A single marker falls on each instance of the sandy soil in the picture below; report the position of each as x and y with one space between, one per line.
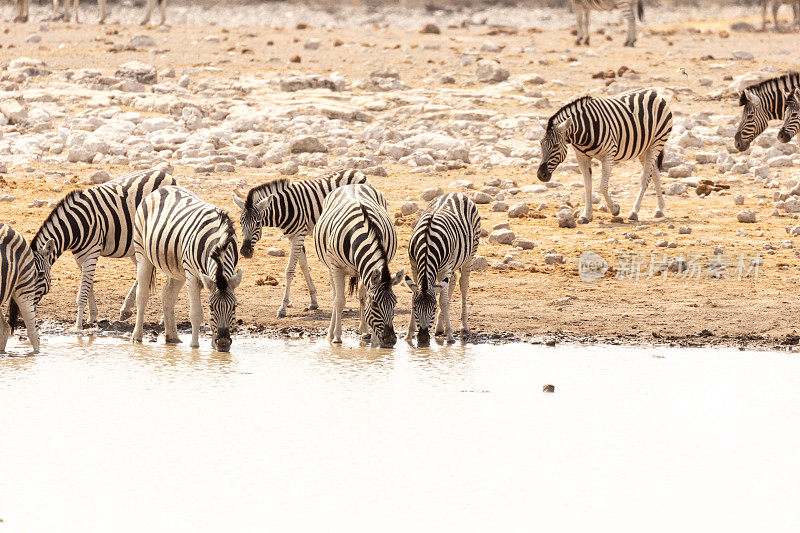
541 301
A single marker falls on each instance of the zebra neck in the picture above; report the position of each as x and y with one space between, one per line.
50 230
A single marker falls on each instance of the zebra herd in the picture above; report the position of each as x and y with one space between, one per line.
162 227
22 8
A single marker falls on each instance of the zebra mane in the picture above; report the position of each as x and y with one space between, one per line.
790 79
423 282
558 115
278 183
49 220
386 277
222 245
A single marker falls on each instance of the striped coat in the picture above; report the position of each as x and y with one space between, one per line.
190 241
444 241
761 103
791 116
631 125
294 208
355 238
583 7
96 222
22 282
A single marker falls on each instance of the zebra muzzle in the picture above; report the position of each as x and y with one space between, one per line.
222 340
543 174
784 137
247 250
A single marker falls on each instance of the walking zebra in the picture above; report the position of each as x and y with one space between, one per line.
444 241
634 124
192 241
776 5
95 222
292 207
24 278
761 103
791 116
354 237
583 7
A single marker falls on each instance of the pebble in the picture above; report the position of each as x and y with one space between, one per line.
566 219
525 244
490 71
408 208
479 262
738 199
502 236
499 207
684 230
101 176
553 259
275 252
518 210
748 216
432 193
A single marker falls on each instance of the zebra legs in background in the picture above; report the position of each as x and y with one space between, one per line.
649 169
463 286
338 279
87 263
297 252
443 324
169 296
149 12
630 17
582 13
23 7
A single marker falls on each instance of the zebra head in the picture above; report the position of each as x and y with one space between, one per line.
43 258
791 116
424 304
252 220
379 311
754 120
554 148
222 299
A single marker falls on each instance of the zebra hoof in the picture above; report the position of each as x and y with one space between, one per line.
629 44
125 315
366 336
633 216
172 340
659 214
579 41
583 220
281 313
312 306
614 208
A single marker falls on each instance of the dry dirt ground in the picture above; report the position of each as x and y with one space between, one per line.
542 301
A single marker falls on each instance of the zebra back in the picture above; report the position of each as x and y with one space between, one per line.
771 93
100 216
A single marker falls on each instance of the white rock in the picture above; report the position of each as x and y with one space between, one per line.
525 244
275 252
480 197
674 189
748 216
141 41
566 219
13 111
738 199
306 143
408 208
502 236
518 210
430 194
312 44
101 176
479 262
742 55
491 71
499 207
138 71
553 259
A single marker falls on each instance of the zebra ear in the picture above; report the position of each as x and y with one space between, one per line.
411 284
238 201
796 94
235 280
375 277
208 282
397 278
751 97
439 287
564 126
263 204
48 249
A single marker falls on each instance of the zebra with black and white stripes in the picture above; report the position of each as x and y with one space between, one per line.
762 102
193 242
355 238
583 7
96 222
23 281
791 116
444 242
634 124
292 207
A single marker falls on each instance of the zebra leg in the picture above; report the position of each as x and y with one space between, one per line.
443 319
92 307
194 286
579 16
75 7
362 308
144 276
87 263
127 306
102 4
163 12
463 286
585 164
312 290
776 5
613 207
337 282
647 160
147 13
586 12
631 18
5 332
656 177
23 7
169 295
296 249
29 317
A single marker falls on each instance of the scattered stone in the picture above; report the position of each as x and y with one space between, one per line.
684 230
499 207
275 252
13 111
480 197
138 71
553 259
101 176
525 244
312 44
566 219
430 28
490 71
479 262
307 143
738 199
408 208
518 210
747 217
141 41
742 55
430 194
502 236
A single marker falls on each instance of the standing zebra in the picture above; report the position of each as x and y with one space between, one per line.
583 7
355 238
24 278
444 241
634 124
761 103
95 222
192 241
791 116
776 5
294 209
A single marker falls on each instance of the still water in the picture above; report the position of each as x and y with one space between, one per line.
100 435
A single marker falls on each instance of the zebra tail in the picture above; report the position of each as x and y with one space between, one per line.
640 9
660 160
13 314
352 286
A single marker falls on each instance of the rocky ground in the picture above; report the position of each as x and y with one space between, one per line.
426 102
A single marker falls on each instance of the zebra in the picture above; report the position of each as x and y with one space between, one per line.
101 4
189 240
762 102
776 5
583 7
162 4
634 124
24 277
791 116
292 207
444 241
355 237
95 222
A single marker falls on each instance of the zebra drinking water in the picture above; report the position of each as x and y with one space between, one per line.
190 241
354 237
292 207
24 278
634 124
791 116
444 241
95 222
583 7
761 103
